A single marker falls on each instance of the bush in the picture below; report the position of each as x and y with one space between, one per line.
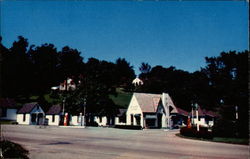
132 127
192 132
13 150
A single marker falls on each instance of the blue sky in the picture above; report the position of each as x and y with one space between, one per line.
163 33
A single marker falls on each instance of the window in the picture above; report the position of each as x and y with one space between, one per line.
132 119
53 118
24 117
33 118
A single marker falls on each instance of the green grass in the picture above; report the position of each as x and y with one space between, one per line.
242 141
231 140
122 99
6 122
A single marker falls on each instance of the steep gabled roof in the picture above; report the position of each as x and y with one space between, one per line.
204 112
27 108
148 102
7 103
182 112
210 113
54 110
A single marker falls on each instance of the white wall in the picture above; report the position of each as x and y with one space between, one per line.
10 114
76 120
104 120
201 122
28 116
56 122
133 109
117 122
20 119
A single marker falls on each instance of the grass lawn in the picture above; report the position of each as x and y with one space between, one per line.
241 141
122 99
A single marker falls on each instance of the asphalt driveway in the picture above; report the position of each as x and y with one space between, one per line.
110 143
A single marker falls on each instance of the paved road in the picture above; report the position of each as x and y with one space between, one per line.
109 143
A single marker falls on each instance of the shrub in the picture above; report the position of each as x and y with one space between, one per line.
13 150
132 127
192 132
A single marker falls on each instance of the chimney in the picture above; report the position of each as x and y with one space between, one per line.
166 107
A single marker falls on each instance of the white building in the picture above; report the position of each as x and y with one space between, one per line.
54 115
137 82
142 110
154 111
7 109
120 118
76 120
205 118
31 114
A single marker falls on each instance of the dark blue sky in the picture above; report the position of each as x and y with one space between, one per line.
160 33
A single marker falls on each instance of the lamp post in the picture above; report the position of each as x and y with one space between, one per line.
84 111
236 120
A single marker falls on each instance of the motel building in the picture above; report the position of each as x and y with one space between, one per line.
154 111
31 114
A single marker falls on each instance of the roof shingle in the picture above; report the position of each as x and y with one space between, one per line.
7 103
27 108
54 110
148 102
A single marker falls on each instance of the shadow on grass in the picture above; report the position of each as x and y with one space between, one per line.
241 141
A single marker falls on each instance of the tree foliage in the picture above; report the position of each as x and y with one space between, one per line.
33 70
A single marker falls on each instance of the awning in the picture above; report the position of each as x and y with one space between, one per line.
137 115
151 117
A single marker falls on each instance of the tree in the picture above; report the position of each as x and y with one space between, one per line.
45 67
70 62
124 73
228 78
145 68
16 69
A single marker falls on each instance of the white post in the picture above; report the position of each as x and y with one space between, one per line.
197 117
81 119
236 112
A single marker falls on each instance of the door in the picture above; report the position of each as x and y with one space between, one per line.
40 119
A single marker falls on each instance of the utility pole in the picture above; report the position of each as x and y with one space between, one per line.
84 111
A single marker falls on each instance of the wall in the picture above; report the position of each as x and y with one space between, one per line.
56 122
200 122
117 121
20 119
104 120
133 109
10 114
76 120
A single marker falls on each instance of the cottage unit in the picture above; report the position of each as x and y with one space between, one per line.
31 114
8 109
155 111
76 120
205 117
142 110
104 120
54 115
120 118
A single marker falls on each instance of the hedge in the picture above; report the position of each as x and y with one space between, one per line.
192 132
132 127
